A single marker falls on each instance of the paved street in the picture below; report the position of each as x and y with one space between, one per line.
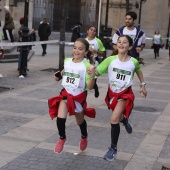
28 135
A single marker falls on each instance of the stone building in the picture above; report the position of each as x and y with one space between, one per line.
154 14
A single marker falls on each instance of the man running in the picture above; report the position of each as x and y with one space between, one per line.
134 32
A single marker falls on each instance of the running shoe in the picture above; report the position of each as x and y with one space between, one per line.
59 145
83 143
128 128
111 154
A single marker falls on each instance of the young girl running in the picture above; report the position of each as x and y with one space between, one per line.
120 97
97 48
76 81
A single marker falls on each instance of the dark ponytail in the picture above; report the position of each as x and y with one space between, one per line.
90 57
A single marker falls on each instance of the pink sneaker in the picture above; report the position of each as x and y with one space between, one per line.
83 143
59 145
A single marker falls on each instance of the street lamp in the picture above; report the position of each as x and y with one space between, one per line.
25 37
140 9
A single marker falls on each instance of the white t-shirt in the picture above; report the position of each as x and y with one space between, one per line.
131 33
120 73
157 39
93 44
75 77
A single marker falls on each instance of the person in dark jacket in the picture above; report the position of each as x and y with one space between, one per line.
44 31
32 37
76 32
8 24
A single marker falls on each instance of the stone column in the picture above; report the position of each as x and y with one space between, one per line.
7 3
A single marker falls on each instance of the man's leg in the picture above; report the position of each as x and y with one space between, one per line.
45 48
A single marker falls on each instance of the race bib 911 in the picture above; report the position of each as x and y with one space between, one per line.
120 77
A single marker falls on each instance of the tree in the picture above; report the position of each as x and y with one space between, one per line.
127 6
97 12
62 34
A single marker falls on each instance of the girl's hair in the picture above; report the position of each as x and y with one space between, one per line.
90 57
130 40
89 54
21 21
91 27
157 31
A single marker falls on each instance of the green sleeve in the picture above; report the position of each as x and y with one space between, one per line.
87 64
137 66
161 39
103 66
101 46
66 59
153 39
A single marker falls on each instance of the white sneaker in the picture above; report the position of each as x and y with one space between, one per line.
21 76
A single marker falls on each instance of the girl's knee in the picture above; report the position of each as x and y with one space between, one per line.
114 120
79 122
79 118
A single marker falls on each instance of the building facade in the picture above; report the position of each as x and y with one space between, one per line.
154 14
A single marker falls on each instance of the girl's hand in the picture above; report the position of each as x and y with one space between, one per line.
138 49
143 91
59 75
91 70
56 78
93 50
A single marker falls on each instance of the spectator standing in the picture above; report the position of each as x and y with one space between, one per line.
76 32
134 32
20 40
44 31
9 24
157 43
32 37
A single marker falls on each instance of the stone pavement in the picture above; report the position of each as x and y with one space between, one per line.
28 135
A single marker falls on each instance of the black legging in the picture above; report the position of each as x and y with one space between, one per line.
10 34
115 131
156 49
44 47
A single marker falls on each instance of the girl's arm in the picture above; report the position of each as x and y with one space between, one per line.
91 82
100 53
91 69
143 91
